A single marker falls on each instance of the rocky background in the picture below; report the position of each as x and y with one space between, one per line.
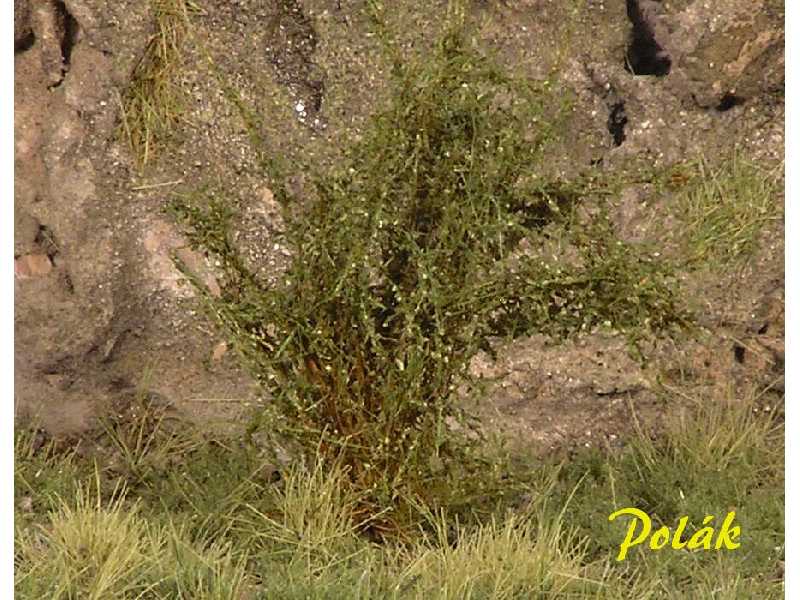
101 311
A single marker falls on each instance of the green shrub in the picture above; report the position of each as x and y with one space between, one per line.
407 262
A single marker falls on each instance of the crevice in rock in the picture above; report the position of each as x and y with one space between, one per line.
728 101
66 281
645 56
738 353
291 44
24 44
47 241
71 33
69 37
617 119
617 115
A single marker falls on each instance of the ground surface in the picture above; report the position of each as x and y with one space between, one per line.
100 309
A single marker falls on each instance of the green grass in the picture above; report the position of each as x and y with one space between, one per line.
726 209
717 457
95 550
214 525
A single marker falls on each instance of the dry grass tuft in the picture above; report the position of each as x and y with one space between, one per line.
153 102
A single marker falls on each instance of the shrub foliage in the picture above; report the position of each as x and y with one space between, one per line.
407 262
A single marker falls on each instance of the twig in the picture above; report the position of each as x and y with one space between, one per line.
225 400
155 185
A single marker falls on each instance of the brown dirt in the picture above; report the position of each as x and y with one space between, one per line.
100 307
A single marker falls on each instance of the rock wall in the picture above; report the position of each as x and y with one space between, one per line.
88 321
